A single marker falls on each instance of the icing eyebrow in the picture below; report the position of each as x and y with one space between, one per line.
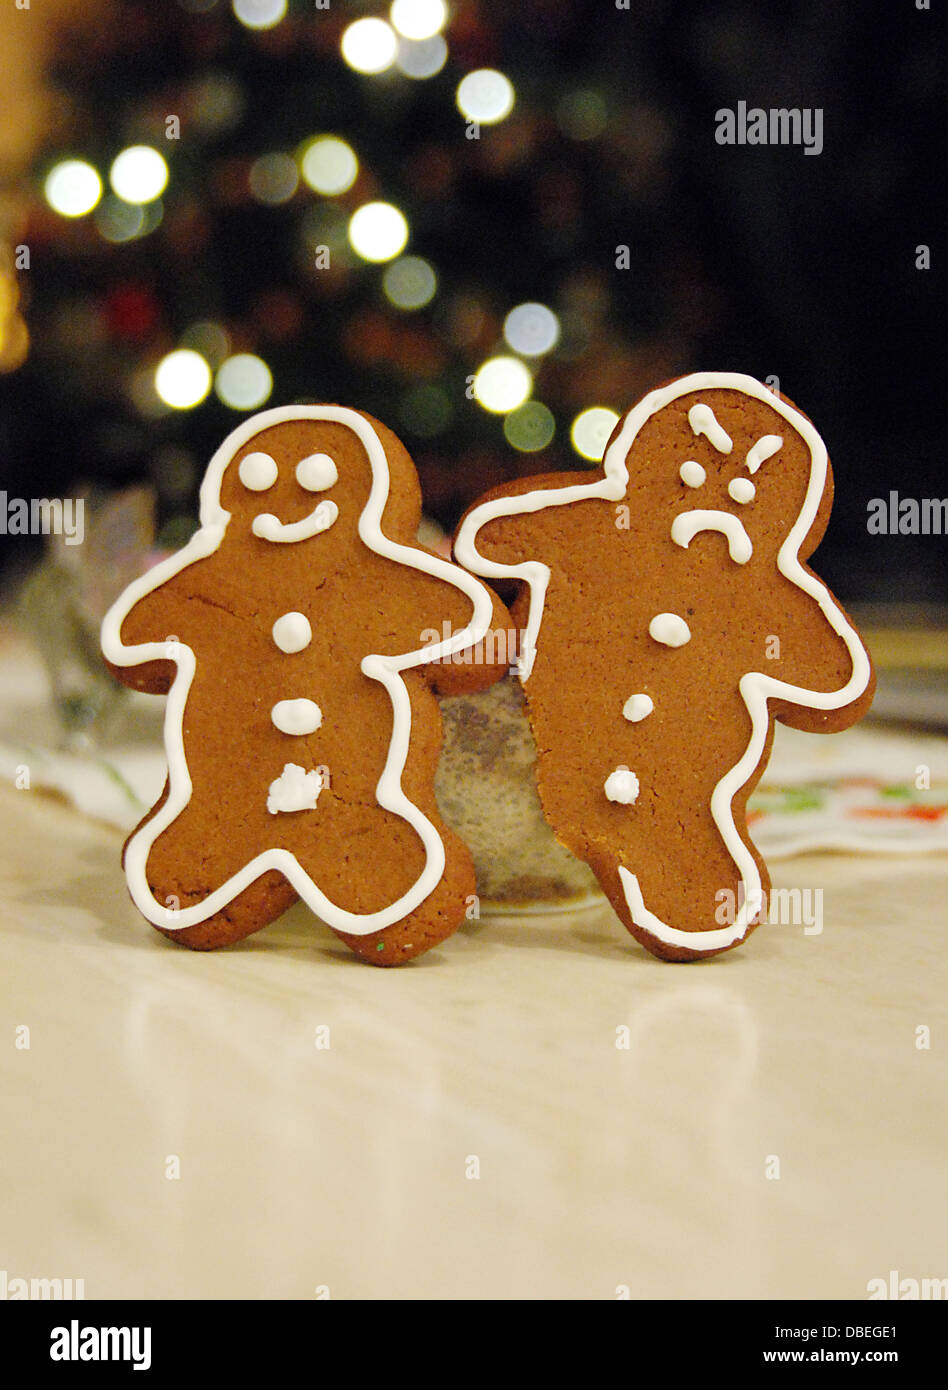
702 420
764 449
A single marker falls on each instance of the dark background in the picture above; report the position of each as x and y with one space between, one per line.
757 259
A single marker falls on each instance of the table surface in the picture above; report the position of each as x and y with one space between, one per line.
537 1109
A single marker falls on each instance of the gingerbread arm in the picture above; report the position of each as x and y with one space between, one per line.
140 629
427 608
820 675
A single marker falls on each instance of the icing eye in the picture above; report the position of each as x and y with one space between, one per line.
316 473
257 472
741 489
692 473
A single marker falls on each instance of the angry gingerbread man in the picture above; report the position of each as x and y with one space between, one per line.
670 617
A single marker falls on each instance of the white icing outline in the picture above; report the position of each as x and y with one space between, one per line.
755 687
687 525
270 528
384 669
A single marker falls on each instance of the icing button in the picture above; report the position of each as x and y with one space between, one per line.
669 629
292 632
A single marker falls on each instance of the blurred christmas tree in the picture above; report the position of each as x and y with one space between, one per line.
257 202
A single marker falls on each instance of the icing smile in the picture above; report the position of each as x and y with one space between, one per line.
687 525
270 528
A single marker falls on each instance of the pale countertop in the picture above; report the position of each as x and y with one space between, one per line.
345 1168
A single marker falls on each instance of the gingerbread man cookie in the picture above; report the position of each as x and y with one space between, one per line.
670 618
301 729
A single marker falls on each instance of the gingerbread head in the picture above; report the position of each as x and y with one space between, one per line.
301 731
670 618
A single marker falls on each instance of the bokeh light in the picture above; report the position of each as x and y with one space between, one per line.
591 430
426 411
377 231
420 58
139 174
369 45
72 188
209 339
244 382
582 115
410 282
182 379
119 221
532 329
485 96
273 178
419 19
502 384
329 165
260 14
530 428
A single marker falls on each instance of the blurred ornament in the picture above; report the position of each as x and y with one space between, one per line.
328 164
139 174
419 19
501 384
369 45
243 382
421 58
259 14
278 315
73 187
532 329
131 311
209 339
530 427
591 429
14 343
485 96
182 379
582 115
119 221
378 231
426 411
410 282
214 103
14 336
273 178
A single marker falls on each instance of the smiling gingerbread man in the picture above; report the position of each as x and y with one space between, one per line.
670 618
301 730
